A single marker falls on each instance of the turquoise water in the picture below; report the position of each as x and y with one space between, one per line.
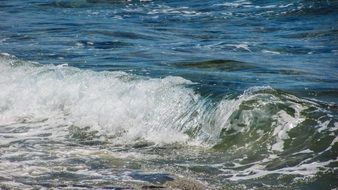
168 94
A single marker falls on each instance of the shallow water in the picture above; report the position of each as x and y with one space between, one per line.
168 94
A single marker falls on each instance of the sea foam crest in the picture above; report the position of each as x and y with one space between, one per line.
109 102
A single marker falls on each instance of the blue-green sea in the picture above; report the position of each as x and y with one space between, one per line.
169 94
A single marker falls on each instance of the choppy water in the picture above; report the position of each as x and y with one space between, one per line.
168 94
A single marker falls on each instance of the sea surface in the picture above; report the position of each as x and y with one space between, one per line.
169 94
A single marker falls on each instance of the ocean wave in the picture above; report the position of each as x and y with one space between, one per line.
266 131
129 108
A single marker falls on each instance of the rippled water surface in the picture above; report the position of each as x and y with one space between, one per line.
118 94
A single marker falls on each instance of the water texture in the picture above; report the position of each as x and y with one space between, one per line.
116 94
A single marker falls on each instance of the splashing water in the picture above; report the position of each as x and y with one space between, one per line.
105 94
66 117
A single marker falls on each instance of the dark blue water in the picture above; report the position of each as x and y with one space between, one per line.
289 44
244 93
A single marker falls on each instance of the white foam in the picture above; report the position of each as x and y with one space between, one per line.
304 152
164 9
244 46
271 52
257 170
323 125
110 102
335 128
236 4
284 123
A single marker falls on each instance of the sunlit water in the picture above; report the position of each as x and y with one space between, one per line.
168 94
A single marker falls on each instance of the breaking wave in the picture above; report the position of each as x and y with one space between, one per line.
266 131
129 108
